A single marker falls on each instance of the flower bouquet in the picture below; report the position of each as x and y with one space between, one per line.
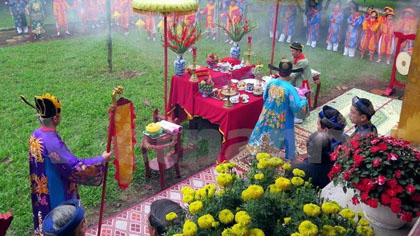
383 171
237 28
266 202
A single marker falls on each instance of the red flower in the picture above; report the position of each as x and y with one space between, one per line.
374 149
355 200
376 162
391 192
418 156
393 157
374 141
385 199
381 180
355 144
364 196
357 160
397 174
416 197
411 189
398 189
383 146
392 183
407 216
396 205
347 174
357 151
372 203
334 155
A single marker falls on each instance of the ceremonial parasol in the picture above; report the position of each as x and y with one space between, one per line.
165 7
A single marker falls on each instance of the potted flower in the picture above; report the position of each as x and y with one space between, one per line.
384 172
180 38
271 200
237 29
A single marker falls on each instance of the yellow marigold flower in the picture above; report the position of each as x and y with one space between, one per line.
298 172
252 192
328 230
195 207
260 166
286 166
256 232
283 183
259 176
264 162
311 209
210 189
364 222
296 234
330 207
340 229
347 213
190 228
224 180
274 189
297 181
200 194
262 155
187 190
188 198
177 235
275 162
222 168
205 221
226 216
242 217
287 220
240 229
220 192
364 231
307 228
230 165
228 232
171 216
361 214
215 224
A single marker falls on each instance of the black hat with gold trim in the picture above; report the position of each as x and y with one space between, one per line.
46 105
296 45
285 66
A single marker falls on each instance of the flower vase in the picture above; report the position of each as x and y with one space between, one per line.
235 51
179 65
382 217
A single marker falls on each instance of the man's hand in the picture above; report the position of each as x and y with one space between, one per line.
317 81
106 156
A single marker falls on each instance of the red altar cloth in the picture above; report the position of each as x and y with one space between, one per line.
235 124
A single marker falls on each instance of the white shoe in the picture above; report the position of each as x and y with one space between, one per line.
19 30
227 41
379 61
214 38
93 26
271 34
58 34
329 46
352 52
289 39
335 47
298 121
207 37
25 29
154 39
313 45
126 33
282 37
148 38
97 26
346 51
308 43
67 32
388 62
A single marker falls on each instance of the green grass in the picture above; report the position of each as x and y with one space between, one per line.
75 70
380 4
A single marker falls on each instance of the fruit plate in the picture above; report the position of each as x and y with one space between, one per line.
159 134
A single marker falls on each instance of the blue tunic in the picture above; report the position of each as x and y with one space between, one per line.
275 127
335 18
354 25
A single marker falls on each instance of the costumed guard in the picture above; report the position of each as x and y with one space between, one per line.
189 19
408 25
386 44
274 130
369 39
125 15
312 35
60 7
91 11
334 31
80 11
288 23
387 10
232 14
150 26
209 11
361 113
36 13
54 170
17 10
354 21
273 19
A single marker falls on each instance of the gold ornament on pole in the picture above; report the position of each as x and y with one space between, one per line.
194 77
249 53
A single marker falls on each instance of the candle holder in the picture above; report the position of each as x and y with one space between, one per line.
248 55
194 77
228 93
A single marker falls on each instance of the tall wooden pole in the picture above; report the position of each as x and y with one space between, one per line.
165 36
274 33
409 125
109 38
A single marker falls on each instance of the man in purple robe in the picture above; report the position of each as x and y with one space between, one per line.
54 170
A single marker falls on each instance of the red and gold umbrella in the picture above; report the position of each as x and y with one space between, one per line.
165 7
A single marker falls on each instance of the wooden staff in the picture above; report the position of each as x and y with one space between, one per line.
111 128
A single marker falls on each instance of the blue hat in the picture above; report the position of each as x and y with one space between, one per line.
364 106
330 117
69 227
